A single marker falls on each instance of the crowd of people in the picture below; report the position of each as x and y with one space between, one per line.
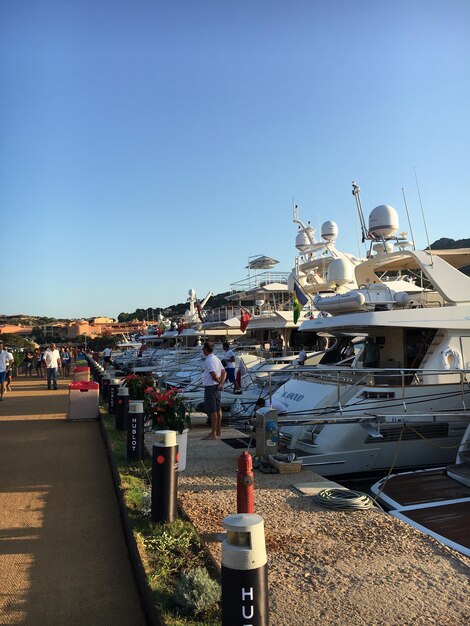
46 362
49 357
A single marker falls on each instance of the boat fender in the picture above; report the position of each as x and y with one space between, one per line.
401 298
451 359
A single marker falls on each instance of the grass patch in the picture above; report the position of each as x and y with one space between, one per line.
167 551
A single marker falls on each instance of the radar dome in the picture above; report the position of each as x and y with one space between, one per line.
339 272
329 231
192 293
302 241
383 221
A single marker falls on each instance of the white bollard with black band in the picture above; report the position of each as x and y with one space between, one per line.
122 409
244 572
135 431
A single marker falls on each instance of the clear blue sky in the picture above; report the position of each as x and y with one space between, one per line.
151 146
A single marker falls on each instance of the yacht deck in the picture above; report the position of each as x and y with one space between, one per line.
424 487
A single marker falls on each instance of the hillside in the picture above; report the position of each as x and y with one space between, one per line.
444 243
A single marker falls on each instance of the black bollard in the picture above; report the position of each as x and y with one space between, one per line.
164 477
122 409
114 385
100 381
244 572
105 386
135 431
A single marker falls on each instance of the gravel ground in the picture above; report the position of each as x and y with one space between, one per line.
327 567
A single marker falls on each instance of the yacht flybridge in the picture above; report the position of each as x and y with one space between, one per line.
266 293
320 266
408 403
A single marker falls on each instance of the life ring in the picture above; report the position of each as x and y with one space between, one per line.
451 359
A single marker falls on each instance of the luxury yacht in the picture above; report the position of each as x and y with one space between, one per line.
408 405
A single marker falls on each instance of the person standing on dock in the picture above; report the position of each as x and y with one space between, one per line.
229 363
106 357
9 376
66 359
213 379
28 363
52 361
38 355
6 362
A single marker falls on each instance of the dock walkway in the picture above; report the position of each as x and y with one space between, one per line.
326 567
63 557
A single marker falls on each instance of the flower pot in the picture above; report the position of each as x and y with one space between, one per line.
181 440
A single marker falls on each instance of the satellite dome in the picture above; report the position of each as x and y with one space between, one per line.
329 231
192 293
383 222
339 272
302 241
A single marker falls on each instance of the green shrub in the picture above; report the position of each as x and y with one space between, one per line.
196 592
171 548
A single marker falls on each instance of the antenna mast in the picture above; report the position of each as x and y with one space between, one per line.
356 193
295 209
424 218
409 221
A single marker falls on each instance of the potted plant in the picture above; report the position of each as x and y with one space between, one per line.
137 385
169 411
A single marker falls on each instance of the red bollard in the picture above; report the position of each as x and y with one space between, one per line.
245 484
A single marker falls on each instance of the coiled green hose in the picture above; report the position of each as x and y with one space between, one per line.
344 500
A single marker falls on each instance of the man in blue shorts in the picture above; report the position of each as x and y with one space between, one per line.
213 378
6 361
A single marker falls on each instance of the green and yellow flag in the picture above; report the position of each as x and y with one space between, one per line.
297 308
300 299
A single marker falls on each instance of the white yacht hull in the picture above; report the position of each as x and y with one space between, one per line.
351 449
347 448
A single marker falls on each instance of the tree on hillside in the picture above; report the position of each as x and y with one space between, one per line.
97 344
444 243
16 341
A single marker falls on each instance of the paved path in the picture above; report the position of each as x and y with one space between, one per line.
63 558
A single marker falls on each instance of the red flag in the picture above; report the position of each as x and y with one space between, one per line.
159 331
199 309
244 320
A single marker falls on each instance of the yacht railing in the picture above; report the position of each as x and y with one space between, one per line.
259 279
222 314
376 419
380 382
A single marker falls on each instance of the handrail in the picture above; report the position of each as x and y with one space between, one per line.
368 377
371 419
